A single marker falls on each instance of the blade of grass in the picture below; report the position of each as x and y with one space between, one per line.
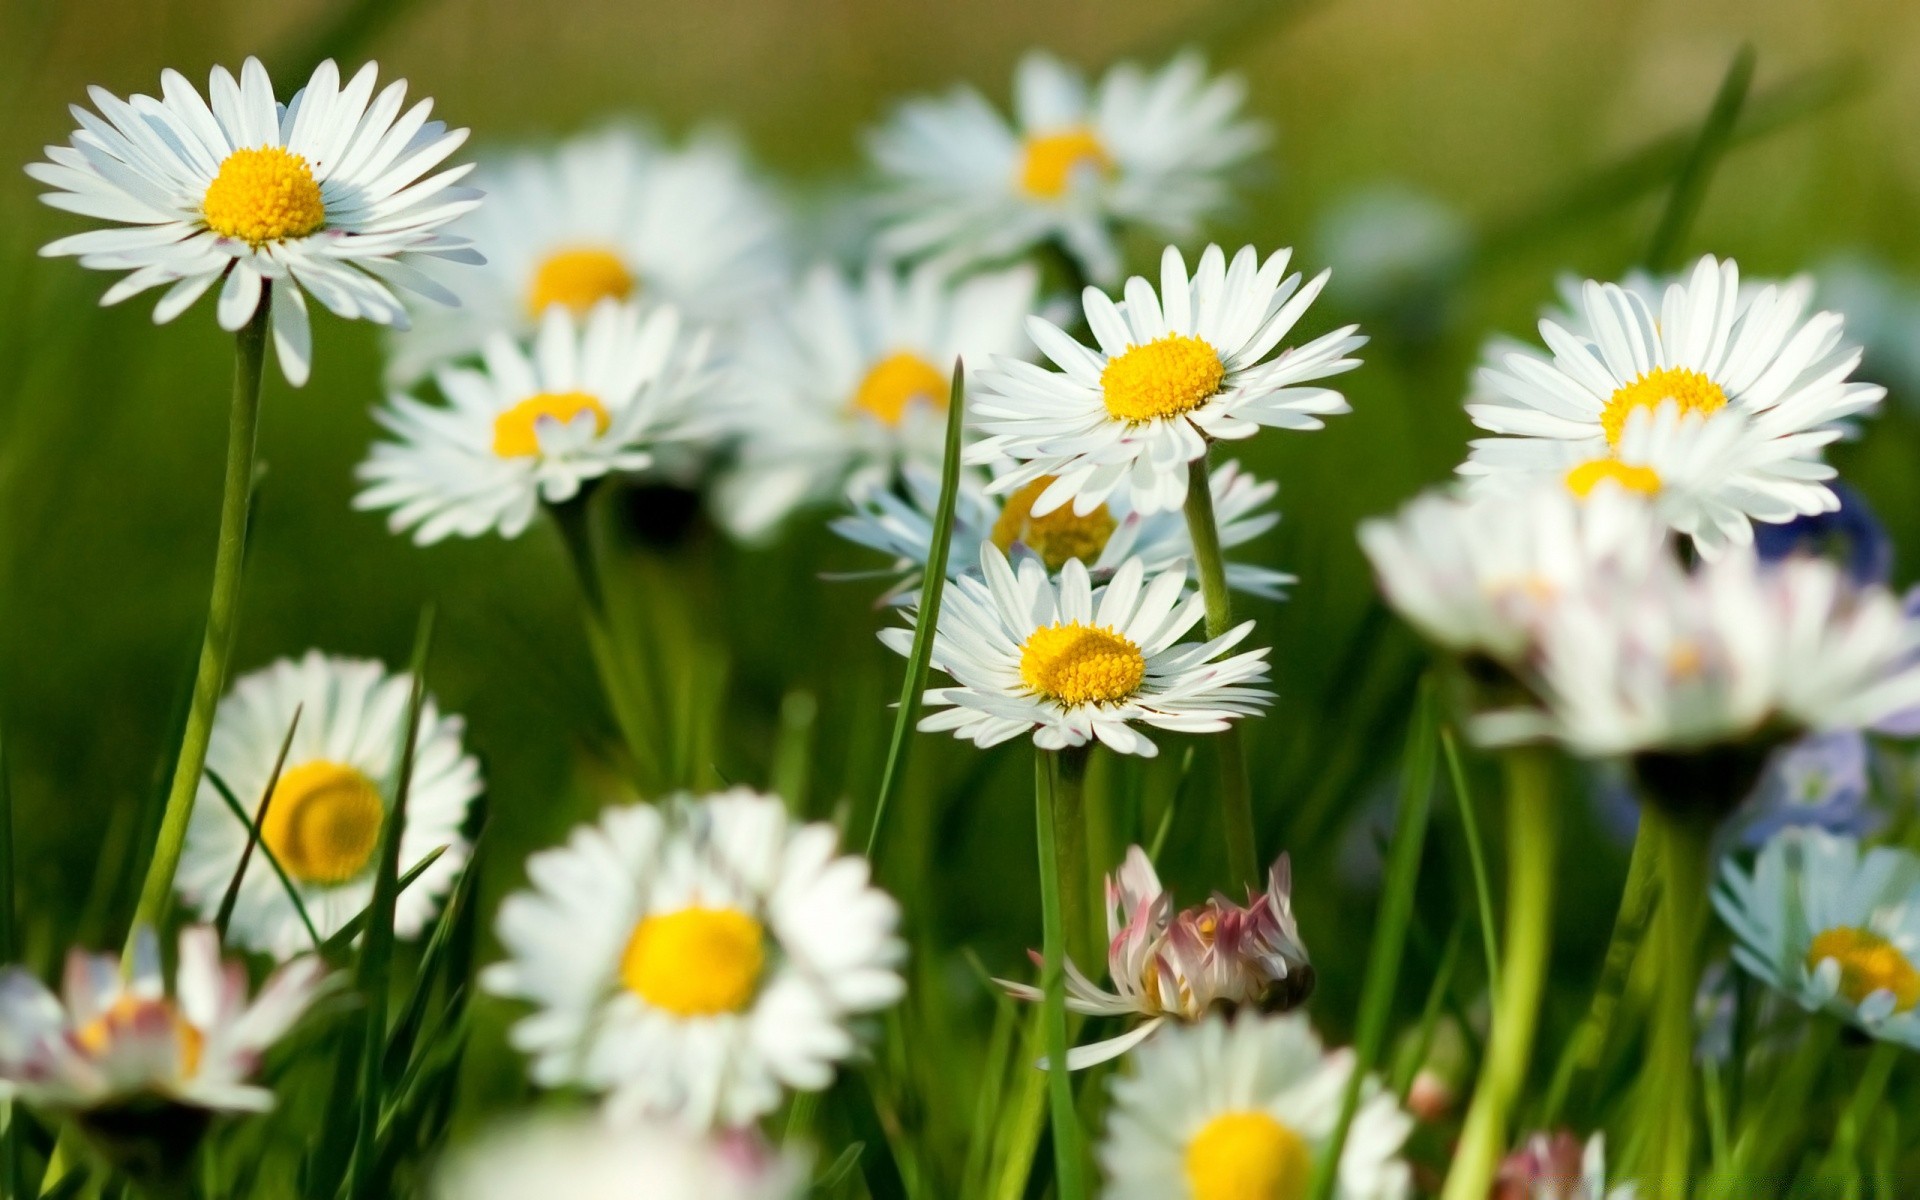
1422 1044
1068 1179
1477 859
1696 170
336 947
401 1043
253 837
225 915
927 615
1173 806
1390 930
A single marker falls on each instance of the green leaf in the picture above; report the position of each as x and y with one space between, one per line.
253 837
401 1042
225 915
337 948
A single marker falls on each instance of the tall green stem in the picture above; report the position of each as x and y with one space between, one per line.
1668 1083
1069 1180
1533 834
156 894
1236 797
1070 842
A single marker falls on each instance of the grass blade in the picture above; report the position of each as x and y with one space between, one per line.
253 837
1477 858
927 615
1696 170
336 947
401 1042
225 915
1390 933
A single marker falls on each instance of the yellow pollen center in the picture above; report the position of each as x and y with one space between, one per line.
264 195
1591 474
897 381
1056 537
516 432
1164 378
1248 1156
1049 161
1869 963
579 278
1695 393
323 822
697 962
1079 664
126 1016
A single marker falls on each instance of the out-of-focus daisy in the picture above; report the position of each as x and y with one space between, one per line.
1558 1167
1711 349
1171 373
1478 575
114 1038
1224 1110
1188 964
849 378
1151 150
324 819
321 195
696 959
1069 663
899 522
583 1159
1735 652
591 397
610 215
1833 927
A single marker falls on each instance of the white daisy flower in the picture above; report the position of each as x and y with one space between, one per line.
1559 1167
899 522
848 379
590 397
1152 150
321 195
583 1159
1478 575
1832 926
1713 349
696 960
1172 373
114 1036
1683 662
1224 1110
324 819
1069 663
612 215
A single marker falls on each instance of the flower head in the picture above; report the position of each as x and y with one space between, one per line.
1170 373
696 959
323 194
1558 1167
590 1160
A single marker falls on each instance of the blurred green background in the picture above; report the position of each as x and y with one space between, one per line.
1524 119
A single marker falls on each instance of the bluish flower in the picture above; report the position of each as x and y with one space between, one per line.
1852 536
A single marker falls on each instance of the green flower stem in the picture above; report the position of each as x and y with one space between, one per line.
156 894
1069 1178
1532 842
1070 844
1236 797
1668 1082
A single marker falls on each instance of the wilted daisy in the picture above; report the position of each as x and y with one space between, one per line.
848 379
324 819
611 215
592 396
1188 964
899 522
1170 373
1151 150
321 195
114 1038
1558 1167
1226 1110
1711 350
584 1159
696 960
1832 926
1069 663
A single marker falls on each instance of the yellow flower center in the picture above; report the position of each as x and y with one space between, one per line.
1869 963
264 195
579 278
516 432
1164 378
1591 474
698 962
1694 392
323 822
1081 664
1056 537
129 1016
1248 1156
1049 161
897 381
